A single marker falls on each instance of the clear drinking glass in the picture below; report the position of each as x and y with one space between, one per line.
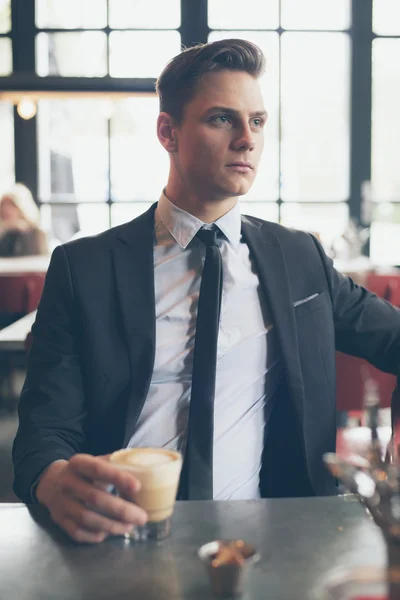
158 471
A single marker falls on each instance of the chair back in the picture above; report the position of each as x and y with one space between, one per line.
385 286
20 293
352 372
351 375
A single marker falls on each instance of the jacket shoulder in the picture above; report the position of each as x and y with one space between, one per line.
285 235
106 239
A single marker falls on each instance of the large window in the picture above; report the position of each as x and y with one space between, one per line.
385 172
94 152
7 168
102 155
93 38
332 90
305 166
5 40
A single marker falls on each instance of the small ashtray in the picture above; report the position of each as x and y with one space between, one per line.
229 564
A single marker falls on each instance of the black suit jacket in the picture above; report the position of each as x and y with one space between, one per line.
92 357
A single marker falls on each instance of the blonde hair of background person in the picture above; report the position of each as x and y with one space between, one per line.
20 232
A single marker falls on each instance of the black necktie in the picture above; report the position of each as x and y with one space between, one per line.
197 475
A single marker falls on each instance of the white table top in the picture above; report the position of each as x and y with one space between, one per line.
24 264
13 337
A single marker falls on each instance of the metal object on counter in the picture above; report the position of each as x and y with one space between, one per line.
374 478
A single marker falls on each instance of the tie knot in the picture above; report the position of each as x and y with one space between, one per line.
208 236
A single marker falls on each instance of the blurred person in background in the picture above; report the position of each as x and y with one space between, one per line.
20 232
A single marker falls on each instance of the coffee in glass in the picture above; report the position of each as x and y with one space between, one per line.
158 471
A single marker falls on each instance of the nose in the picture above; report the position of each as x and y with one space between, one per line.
244 139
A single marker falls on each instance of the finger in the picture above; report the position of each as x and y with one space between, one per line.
89 520
111 506
81 535
103 484
95 468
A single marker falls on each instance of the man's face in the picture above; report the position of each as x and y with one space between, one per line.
221 136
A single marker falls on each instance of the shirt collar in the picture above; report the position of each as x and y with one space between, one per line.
183 226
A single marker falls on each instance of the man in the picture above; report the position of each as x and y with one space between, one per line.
115 338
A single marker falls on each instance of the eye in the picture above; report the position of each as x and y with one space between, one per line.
220 119
258 122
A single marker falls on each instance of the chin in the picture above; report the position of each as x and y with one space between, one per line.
240 190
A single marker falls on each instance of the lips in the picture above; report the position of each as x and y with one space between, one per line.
240 164
240 167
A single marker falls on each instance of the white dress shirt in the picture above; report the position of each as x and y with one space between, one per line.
249 366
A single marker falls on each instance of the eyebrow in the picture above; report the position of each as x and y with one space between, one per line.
235 113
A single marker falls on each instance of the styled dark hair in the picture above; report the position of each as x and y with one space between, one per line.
178 81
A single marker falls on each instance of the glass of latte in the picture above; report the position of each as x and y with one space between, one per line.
158 471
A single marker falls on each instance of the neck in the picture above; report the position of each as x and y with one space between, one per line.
207 211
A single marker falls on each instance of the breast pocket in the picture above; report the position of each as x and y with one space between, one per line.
309 306
316 338
315 323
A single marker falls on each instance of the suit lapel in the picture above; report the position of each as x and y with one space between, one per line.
271 268
134 271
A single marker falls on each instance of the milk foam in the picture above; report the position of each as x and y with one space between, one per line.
148 459
145 457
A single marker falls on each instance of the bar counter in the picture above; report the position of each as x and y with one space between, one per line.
299 540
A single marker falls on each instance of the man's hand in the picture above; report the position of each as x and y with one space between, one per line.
74 493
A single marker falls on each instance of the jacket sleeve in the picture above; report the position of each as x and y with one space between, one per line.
52 407
365 325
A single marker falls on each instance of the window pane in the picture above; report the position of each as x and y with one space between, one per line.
386 17
385 120
73 150
92 218
316 14
5 57
385 234
5 16
74 14
122 213
139 164
71 54
266 185
150 14
60 222
327 221
132 54
232 14
263 210
7 175
315 116
64 223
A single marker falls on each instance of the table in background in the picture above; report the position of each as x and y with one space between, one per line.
21 285
24 264
13 337
299 540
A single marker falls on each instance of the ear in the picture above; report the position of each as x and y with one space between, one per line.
167 132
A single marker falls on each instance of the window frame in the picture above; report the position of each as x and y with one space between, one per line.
193 29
